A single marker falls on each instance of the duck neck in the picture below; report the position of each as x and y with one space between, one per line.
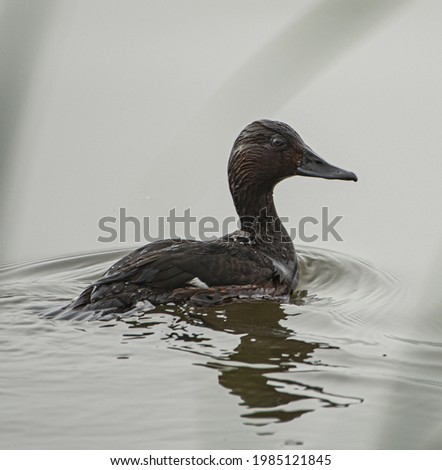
258 215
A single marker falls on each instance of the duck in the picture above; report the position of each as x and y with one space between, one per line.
257 261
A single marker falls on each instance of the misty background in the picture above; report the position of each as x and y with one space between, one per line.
108 104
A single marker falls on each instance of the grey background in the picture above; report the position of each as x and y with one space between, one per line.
109 104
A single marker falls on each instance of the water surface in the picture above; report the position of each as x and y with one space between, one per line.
328 370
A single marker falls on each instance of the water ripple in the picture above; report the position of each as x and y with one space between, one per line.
282 361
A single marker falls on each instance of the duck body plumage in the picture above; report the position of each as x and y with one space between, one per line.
257 261
195 272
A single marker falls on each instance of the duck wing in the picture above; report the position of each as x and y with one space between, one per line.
172 264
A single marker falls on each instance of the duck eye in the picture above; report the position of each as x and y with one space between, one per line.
278 141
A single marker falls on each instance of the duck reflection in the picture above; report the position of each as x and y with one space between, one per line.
261 368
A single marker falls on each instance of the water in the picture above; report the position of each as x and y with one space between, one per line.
329 370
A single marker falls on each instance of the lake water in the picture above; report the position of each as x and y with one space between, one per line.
107 105
330 370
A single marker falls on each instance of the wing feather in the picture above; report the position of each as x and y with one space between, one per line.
171 264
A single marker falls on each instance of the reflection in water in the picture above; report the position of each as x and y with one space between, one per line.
261 368
265 348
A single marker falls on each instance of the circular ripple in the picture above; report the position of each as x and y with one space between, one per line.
350 289
333 280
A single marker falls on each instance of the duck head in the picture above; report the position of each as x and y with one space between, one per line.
267 152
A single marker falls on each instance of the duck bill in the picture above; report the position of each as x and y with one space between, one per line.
314 166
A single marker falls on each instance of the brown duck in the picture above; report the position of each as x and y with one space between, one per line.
257 261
